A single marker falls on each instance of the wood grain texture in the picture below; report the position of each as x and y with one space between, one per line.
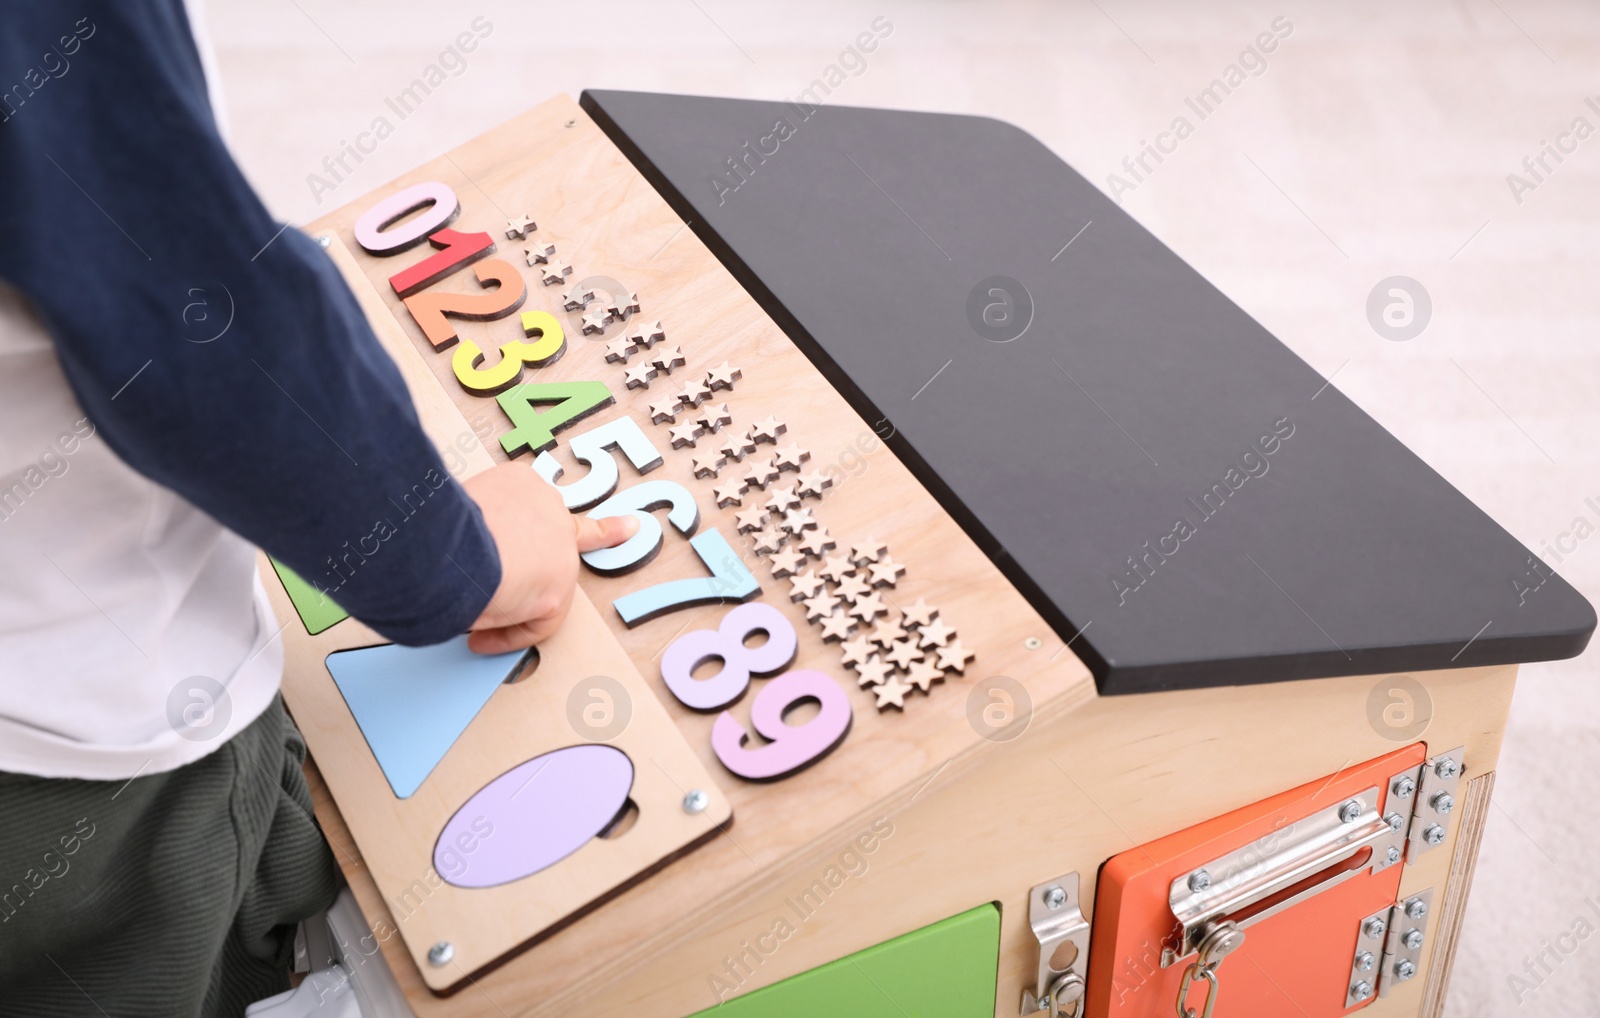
1452 908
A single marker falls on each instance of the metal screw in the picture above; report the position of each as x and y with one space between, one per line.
1199 880
1033 643
1395 821
1361 990
1393 855
1404 969
1374 927
440 954
1433 834
1365 961
1412 939
1442 802
1054 898
570 123
324 241
1404 787
696 801
1350 812
1447 768
1416 908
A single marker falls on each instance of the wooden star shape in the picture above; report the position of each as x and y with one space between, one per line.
714 416
619 350
804 585
665 410
648 335
873 670
516 229
668 358
903 652
706 464
539 252
955 656
796 521
936 633
684 434
885 572
723 376
789 457
695 393
576 297
923 675
596 320
868 607
787 563
554 272
838 626
812 485
852 588
623 305
887 631
817 542
759 473
783 499
919 614
731 493
836 568
638 376
767 430
820 606
856 650
753 518
736 447
891 693
870 550
767 540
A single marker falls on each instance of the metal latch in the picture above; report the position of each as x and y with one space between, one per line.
1389 947
1063 934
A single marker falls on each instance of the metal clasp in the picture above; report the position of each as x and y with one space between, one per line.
1063 934
1217 941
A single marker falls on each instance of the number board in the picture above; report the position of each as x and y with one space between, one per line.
821 635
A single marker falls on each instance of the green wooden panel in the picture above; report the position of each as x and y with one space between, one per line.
316 609
946 970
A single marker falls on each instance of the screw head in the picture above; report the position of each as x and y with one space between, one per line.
1412 939
1361 990
1404 969
571 123
1350 812
1416 908
1395 821
1447 768
1033 643
1365 961
324 241
696 801
1199 880
1443 802
1393 855
1054 898
1404 787
1433 834
440 954
1374 927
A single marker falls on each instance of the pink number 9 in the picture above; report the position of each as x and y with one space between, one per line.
739 662
792 747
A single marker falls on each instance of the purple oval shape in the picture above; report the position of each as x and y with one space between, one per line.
533 816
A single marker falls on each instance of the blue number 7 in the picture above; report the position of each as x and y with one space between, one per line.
729 581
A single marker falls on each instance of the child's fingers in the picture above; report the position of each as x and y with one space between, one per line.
604 533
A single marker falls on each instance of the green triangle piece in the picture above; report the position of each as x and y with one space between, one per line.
316 609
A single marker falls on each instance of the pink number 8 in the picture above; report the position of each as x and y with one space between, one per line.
739 662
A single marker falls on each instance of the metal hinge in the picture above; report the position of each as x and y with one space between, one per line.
1429 791
1063 935
1389 947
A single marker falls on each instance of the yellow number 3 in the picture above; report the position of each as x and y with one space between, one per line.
549 346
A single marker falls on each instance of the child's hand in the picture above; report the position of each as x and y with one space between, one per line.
539 542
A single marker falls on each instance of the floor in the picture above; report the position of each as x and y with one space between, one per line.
1374 140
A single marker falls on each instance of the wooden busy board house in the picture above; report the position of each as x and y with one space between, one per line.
1005 633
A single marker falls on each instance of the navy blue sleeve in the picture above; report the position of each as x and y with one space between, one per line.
135 235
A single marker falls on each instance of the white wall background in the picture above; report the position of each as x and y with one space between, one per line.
1376 143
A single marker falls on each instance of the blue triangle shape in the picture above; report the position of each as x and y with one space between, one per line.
413 703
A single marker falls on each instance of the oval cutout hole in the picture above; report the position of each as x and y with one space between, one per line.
525 667
623 822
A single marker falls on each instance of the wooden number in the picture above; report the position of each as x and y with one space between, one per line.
790 747
594 448
726 643
430 309
514 356
455 250
639 501
376 232
534 430
730 580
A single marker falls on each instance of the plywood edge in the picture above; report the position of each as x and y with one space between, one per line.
1452 912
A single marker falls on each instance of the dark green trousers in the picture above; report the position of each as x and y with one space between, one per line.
172 895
